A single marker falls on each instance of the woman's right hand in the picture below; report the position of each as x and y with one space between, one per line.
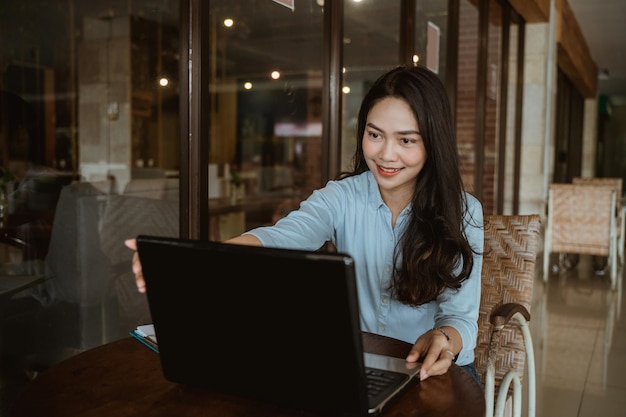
141 284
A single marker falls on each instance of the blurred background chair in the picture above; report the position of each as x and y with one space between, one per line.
581 220
620 215
504 347
89 296
157 188
126 217
55 320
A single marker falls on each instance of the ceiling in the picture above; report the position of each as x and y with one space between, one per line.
602 24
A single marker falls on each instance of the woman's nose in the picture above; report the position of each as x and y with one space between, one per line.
388 151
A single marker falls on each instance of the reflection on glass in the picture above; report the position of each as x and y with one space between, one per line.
266 120
369 50
431 34
89 139
128 112
88 93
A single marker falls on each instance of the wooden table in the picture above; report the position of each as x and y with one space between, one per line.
124 378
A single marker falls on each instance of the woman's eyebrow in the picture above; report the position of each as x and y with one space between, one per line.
373 126
409 132
400 132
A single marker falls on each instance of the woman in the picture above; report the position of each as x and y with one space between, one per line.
403 215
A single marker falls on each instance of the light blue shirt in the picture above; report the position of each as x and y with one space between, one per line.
352 214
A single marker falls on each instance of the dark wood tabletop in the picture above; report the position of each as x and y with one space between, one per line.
124 378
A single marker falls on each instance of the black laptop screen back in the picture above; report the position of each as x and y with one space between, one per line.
267 323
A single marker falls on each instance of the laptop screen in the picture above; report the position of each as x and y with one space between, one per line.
269 323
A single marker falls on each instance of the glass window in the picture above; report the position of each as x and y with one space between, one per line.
89 144
370 47
492 107
266 111
467 76
431 34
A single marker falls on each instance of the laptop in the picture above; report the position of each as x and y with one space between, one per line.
278 325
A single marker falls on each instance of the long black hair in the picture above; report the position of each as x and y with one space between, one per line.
434 243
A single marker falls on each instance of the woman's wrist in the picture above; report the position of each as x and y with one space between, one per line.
446 333
442 331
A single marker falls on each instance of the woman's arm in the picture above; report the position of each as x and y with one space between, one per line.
245 239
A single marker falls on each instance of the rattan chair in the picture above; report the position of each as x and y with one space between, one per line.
504 348
620 215
582 220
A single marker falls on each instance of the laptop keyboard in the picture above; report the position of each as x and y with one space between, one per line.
380 382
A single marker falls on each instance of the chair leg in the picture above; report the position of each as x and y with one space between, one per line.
613 264
546 264
547 242
620 241
530 368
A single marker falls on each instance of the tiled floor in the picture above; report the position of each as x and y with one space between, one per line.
579 333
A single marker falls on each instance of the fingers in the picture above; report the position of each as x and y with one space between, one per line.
414 354
435 364
434 354
137 270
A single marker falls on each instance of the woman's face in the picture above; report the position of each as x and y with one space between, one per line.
393 147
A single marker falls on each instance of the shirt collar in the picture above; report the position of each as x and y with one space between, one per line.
376 200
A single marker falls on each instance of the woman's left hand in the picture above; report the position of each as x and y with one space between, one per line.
435 351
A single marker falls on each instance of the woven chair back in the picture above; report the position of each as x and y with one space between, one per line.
508 274
580 218
616 183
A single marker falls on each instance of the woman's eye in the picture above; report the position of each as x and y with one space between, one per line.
410 140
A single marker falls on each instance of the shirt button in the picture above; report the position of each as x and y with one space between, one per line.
381 328
384 300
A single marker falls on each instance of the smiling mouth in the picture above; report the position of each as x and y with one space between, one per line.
388 171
